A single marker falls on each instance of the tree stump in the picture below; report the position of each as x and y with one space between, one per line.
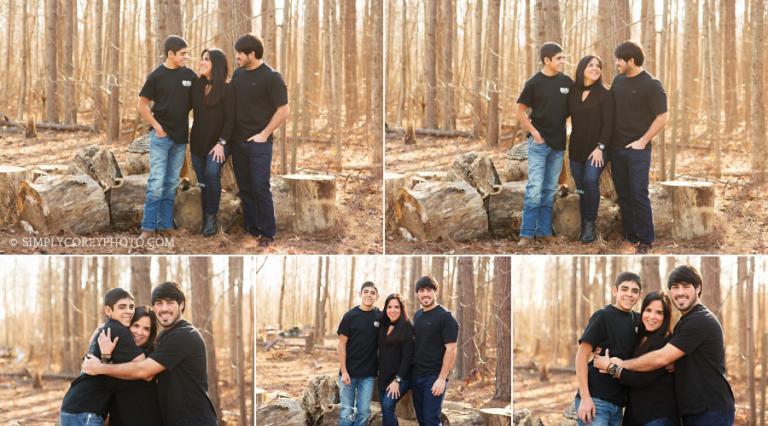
392 183
188 210
693 208
259 396
442 210
98 163
311 203
73 203
10 181
496 416
282 411
505 209
319 397
478 171
661 205
126 202
566 217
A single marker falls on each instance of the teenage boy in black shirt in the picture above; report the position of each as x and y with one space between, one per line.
546 93
358 357
168 86
434 353
87 400
697 348
641 113
614 329
179 363
261 98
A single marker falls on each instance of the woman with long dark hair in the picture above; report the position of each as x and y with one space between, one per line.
591 107
213 113
651 400
135 402
395 356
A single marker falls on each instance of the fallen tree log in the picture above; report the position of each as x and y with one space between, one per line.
136 163
10 182
74 203
566 217
496 416
319 397
693 208
505 209
126 202
282 411
524 417
436 133
50 169
49 126
188 210
478 171
441 210
99 163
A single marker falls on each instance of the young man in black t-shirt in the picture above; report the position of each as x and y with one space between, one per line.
358 357
261 99
640 114
168 86
613 329
546 94
87 400
697 348
434 354
179 364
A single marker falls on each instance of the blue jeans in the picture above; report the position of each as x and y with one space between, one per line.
428 407
544 166
80 419
165 160
630 168
388 405
587 179
606 413
208 173
663 421
355 401
710 418
251 162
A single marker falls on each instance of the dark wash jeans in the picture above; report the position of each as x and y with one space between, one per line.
251 162
388 405
710 418
428 407
208 172
587 179
630 168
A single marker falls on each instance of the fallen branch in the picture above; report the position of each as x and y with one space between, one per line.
48 126
437 133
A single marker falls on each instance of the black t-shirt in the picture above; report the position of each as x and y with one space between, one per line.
700 374
548 99
591 121
258 94
211 122
652 393
135 403
169 90
395 358
182 389
361 328
638 100
91 394
434 329
611 329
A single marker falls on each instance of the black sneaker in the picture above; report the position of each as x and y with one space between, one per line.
265 242
643 248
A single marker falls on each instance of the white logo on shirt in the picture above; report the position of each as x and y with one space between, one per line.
186 83
376 324
564 90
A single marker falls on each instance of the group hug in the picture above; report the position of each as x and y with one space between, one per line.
404 355
135 374
646 372
236 117
616 125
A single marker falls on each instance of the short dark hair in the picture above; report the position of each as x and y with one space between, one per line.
549 50
169 290
426 282
369 284
630 49
248 43
685 274
114 295
173 43
628 276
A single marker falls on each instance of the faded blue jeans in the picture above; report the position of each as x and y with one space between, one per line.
544 167
80 419
165 160
606 413
355 401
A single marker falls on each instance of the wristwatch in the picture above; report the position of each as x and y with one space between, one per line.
601 146
612 369
398 379
222 142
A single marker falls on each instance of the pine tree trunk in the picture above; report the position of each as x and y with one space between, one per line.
492 131
141 282
466 353
113 82
202 309
502 321
430 52
51 86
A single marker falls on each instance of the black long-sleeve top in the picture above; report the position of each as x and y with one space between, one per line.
591 121
211 122
651 394
394 358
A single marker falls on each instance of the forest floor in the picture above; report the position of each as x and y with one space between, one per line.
22 404
290 370
742 208
359 198
549 400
